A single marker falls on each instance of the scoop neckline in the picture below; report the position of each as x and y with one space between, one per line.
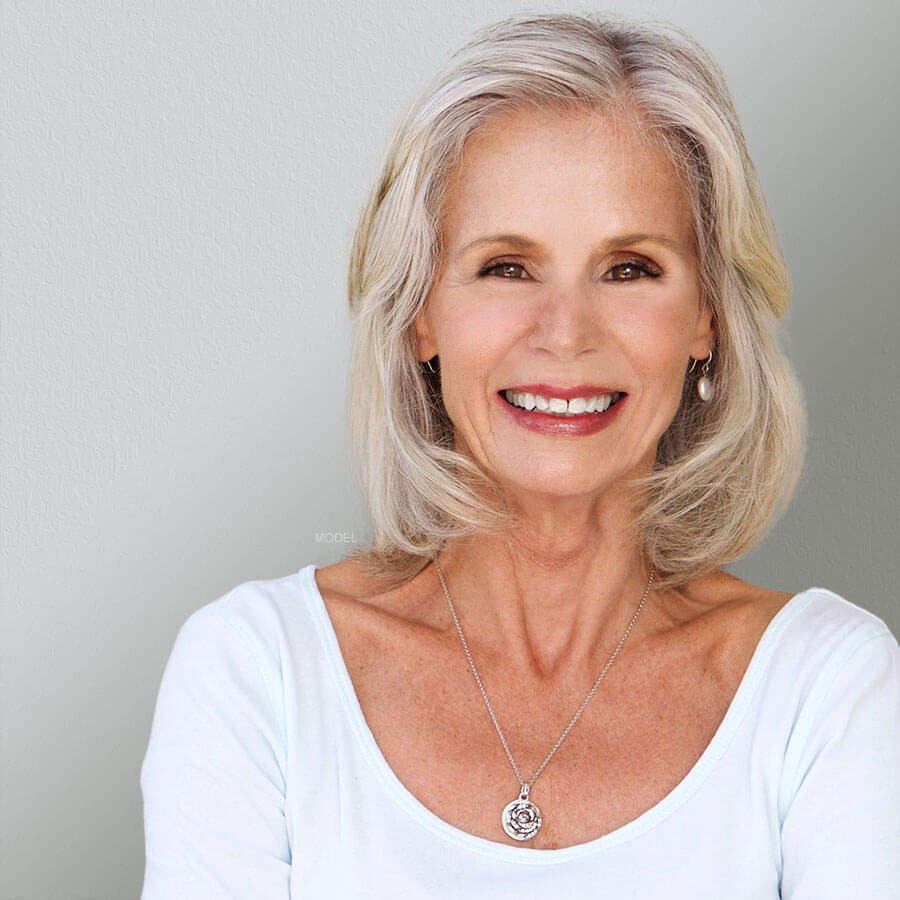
679 795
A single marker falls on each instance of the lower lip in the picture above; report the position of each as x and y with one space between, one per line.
562 426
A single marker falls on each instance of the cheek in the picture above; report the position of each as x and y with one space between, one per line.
475 340
660 336
475 337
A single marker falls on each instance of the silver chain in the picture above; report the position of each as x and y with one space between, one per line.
526 785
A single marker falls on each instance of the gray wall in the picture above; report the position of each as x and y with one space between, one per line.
183 182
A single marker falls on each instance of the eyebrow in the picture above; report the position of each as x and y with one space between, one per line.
614 243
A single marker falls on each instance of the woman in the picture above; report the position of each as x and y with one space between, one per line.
570 411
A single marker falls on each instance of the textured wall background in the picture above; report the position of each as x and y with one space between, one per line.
182 183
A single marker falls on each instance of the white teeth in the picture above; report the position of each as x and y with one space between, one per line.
559 407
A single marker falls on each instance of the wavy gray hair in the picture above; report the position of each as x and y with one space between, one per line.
724 468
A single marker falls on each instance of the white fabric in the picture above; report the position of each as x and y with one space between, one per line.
262 779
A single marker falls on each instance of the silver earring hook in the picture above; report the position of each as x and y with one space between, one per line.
706 363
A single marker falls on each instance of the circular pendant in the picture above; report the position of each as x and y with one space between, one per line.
521 819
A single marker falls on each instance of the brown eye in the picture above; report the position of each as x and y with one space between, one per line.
631 271
508 270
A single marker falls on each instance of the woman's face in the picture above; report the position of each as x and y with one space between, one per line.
568 273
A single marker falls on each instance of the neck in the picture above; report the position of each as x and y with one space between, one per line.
555 593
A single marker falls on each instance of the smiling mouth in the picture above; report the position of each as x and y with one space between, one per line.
558 407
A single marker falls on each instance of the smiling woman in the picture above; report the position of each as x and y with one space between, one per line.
569 405
524 125
604 282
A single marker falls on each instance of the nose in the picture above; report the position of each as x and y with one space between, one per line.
568 321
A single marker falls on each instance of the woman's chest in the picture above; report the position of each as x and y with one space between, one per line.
643 731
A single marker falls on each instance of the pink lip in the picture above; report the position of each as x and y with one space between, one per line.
563 426
563 393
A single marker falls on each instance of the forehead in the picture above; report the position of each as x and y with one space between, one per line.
539 166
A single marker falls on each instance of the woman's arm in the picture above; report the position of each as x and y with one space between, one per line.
840 831
213 778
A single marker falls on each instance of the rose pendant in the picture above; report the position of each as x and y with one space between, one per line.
521 819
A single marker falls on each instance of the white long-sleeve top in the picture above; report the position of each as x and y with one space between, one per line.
262 779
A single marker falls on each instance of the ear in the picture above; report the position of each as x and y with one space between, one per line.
426 347
705 333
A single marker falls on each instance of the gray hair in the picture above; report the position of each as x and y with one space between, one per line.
724 468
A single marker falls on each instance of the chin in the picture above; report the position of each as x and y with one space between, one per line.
560 485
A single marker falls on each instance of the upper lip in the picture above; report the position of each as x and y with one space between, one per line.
563 393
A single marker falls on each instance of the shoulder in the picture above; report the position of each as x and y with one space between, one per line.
249 643
821 625
815 637
839 679
722 613
287 625
287 621
350 591
832 638
836 611
731 598
803 629
250 628
258 606
379 624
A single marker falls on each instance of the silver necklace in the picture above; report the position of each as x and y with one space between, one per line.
521 819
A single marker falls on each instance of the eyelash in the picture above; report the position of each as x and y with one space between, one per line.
648 270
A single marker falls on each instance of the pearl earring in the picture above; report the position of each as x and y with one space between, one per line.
705 387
